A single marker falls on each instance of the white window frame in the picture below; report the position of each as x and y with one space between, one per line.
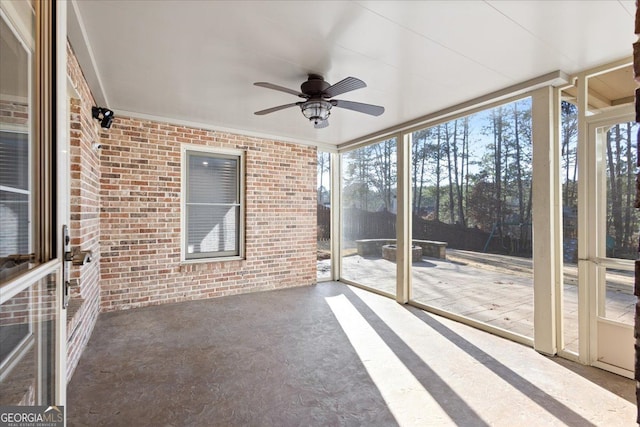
210 151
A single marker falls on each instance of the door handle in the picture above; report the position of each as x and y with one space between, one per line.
67 259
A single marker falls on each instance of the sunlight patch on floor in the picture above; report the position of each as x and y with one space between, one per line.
407 399
508 372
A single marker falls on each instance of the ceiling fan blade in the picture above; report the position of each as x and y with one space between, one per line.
345 85
274 109
280 88
322 124
374 110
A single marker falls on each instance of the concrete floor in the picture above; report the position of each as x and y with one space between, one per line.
326 355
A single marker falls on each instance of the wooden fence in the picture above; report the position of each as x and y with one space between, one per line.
324 223
359 224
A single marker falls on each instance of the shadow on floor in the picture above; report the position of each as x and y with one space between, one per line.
552 405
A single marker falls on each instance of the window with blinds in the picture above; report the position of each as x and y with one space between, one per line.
212 205
14 193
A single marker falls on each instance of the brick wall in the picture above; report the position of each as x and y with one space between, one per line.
84 226
140 217
125 208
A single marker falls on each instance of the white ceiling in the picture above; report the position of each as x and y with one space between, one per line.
196 61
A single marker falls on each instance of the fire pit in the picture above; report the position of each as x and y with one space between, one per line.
389 253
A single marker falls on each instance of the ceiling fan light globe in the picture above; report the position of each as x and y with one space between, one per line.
316 111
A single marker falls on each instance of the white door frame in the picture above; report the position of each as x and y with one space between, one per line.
591 260
63 190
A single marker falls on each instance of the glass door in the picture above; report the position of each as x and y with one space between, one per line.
32 350
610 224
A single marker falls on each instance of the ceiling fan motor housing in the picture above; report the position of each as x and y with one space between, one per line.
314 86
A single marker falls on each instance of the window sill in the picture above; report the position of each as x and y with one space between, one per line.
211 264
210 260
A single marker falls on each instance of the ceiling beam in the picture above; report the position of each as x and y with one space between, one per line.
555 78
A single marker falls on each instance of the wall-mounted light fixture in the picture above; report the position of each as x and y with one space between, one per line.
104 115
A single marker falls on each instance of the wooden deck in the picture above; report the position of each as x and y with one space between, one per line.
494 289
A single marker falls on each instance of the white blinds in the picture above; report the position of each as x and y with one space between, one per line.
212 205
14 193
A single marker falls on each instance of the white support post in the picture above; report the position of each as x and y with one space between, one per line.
583 221
544 227
336 216
403 219
557 220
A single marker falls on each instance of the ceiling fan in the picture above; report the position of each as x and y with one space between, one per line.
318 103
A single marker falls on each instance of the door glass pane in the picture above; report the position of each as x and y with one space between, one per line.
616 301
16 152
472 231
324 215
369 176
621 240
619 301
569 179
27 345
